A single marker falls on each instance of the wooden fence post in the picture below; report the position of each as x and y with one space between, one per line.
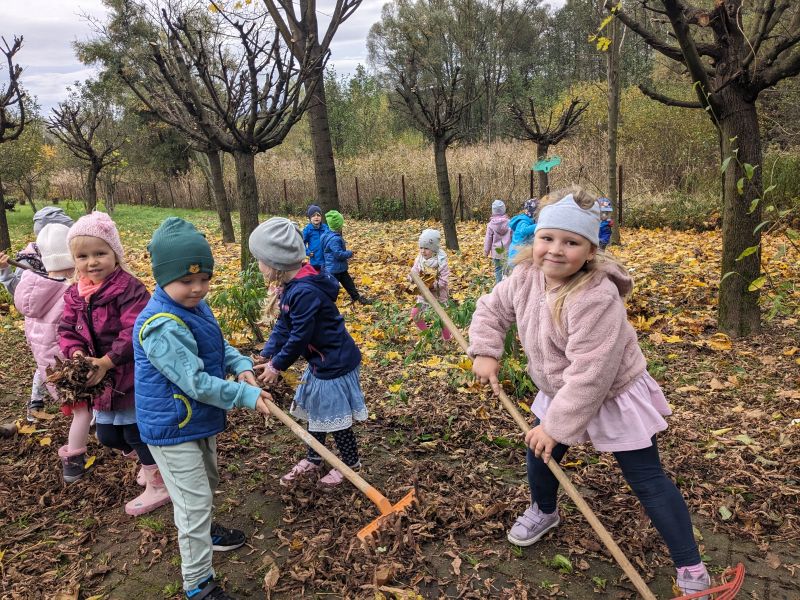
403 190
619 195
358 198
285 196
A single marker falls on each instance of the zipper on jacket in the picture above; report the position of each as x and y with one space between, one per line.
90 321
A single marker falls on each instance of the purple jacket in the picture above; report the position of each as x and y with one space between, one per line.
103 327
498 237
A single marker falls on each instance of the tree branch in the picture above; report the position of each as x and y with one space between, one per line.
667 100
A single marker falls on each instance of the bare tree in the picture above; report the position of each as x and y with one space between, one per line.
529 128
732 51
233 87
12 120
85 125
300 31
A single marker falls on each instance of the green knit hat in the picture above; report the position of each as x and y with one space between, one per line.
335 220
177 250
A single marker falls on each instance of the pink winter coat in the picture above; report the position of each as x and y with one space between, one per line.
41 302
498 237
594 357
104 327
438 264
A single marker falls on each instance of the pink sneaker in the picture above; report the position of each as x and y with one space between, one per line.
302 469
694 579
531 526
331 480
155 494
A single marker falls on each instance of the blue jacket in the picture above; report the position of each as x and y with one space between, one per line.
605 231
309 325
181 360
523 228
335 252
312 237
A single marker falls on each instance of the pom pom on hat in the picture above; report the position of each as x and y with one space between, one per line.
568 216
278 243
53 246
498 207
335 220
313 209
177 250
430 239
98 224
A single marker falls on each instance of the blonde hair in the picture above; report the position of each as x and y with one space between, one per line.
584 275
275 280
120 261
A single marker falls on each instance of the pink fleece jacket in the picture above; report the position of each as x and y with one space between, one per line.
41 302
593 358
498 237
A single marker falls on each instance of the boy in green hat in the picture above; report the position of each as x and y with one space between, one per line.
335 255
182 395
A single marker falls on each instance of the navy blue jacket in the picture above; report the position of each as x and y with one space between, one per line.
309 325
335 252
312 237
164 414
605 231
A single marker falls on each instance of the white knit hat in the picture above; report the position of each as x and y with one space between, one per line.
52 242
568 216
430 239
498 207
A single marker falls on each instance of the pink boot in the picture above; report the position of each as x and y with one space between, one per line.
154 495
140 475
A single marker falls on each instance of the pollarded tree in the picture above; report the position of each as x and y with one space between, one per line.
732 51
86 124
421 44
230 84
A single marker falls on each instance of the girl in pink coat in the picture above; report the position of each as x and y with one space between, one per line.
39 297
431 265
567 299
100 309
498 239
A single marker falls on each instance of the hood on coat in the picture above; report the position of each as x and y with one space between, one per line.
614 273
518 220
113 286
499 224
35 295
327 284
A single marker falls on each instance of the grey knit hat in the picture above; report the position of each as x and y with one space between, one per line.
430 239
498 207
568 216
278 243
48 215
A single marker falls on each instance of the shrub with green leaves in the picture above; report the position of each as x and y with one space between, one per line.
238 307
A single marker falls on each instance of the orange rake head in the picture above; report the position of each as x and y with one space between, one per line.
732 580
387 511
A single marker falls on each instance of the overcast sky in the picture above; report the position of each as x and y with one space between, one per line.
50 27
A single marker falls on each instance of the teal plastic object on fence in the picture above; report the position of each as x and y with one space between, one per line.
546 164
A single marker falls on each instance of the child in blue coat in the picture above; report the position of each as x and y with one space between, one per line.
309 325
182 395
606 223
336 255
312 236
522 226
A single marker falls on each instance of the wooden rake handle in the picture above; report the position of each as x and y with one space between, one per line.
377 498
565 482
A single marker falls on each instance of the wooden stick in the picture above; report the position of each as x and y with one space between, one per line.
565 482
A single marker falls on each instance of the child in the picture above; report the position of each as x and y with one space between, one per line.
31 257
606 222
99 312
583 355
336 255
522 226
498 239
312 236
41 300
309 325
431 264
182 395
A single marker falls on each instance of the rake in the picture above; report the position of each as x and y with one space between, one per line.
726 591
386 508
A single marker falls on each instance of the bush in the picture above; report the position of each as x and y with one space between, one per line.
676 210
239 306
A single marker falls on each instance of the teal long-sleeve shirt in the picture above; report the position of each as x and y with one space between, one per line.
169 344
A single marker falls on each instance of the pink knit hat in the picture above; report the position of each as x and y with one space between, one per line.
98 224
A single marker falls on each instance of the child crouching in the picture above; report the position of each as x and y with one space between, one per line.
182 395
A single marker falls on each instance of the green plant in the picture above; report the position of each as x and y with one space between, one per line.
152 523
172 589
240 305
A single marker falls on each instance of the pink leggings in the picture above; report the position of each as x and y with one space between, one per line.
416 316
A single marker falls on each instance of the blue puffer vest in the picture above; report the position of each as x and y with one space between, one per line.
164 413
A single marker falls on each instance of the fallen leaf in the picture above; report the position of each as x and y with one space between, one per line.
43 416
456 564
271 578
89 462
26 429
45 441
773 560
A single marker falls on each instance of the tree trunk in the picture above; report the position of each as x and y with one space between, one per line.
248 200
445 199
612 65
739 314
220 197
324 166
91 189
543 177
5 237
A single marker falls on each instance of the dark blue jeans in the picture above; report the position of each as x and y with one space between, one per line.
124 438
642 470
